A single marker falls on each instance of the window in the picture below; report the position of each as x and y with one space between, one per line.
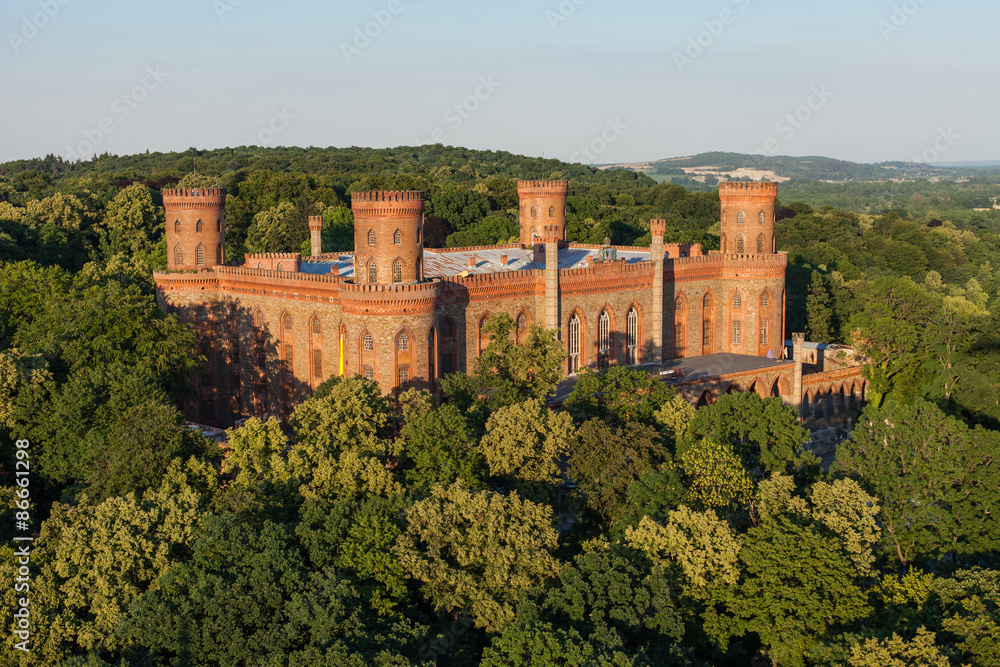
678 336
706 334
737 300
741 218
763 332
318 363
288 322
281 266
420 235
368 342
369 373
419 271
258 319
218 225
522 322
679 304
760 244
765 300
218 254
534 211
603 340
552 211
760 218
403 342
404 377
177 226
446 363
534 234
260 265
632 336
200 255
207 410
741 245
397 271
178 256
371 237
574 343
317 328
372 272
397 238
199 227
446 329
202 317
737 333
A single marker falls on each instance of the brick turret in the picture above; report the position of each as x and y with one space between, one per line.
543 204
196 228
388 237
316 235
748 217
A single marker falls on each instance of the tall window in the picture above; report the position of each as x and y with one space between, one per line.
707 323
760 218
678 336
177 226
737 333
446 330
318 363
368 342
178 256
741 245
218 254
199 227
404 342
372 272
446 364
397 238
200 255
369 373
534 211
741 218
737 300
218 225
404 377
632 336
371 237
763 333
765 301
603 340
760 244
706 335
552 211
397 271
288 322
574 343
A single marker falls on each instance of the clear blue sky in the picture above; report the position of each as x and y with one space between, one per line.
563 75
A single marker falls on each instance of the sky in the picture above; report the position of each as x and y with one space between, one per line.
588 81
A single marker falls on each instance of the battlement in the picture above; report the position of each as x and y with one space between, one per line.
548 187
743 191
185 197
289 262
551 234
315 223
657 227
386 196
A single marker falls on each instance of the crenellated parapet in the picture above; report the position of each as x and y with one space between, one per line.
748 191
194 198
385 204
290 262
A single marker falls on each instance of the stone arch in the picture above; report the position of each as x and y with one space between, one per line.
780 388
805 408
852 397
759 386
680 326
404 358
707 397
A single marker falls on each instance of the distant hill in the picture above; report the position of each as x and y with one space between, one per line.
708 168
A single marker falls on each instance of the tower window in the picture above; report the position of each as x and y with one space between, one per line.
737 300
737 333
371 237
679 304
218 225
420 235
199 227
318 363
741 245
404 377
177 226
372 272
763 332
368 342
552 211
446 363
397 271
397 238
288 322
218 254
765 301
741 218
317 328
178 256
446 329
760 218
200 255
404 342
534 211
760 244
706 334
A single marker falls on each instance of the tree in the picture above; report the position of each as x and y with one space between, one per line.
620 395
132 223
491 230
921 651
476 552
256 451
459 208
442 448
715 477
936 480
196 180
278 229
607 460
338 229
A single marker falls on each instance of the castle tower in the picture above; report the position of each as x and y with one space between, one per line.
550 235
388 237
748 217
657 229
543 204
196 228
316 235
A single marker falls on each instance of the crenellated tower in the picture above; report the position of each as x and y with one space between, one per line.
388 237
196 228
543 204
748 217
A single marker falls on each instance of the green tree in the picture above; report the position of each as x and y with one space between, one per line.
278 229
819 320
460 208
921 651
442 448
132 223
620 395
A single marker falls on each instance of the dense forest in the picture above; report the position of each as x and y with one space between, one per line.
626 528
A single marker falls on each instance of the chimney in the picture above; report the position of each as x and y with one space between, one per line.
503 260
473 262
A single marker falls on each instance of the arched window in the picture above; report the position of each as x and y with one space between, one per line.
737 333
420 235
741 218
765 300
317 327
737 300
603 340
369 373
397 238
218 225
760 218
199 255
741 245
202 315
199 227
288 323
534 211
178 256
397 271
534 234
372 272
764 326
552 211
281 266
368 343
760 244
404 342
574 343
522 322
419 269
218 254
632 336
446 329
260 265
177 226
371 237
707 324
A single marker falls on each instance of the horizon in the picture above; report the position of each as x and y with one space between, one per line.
570 80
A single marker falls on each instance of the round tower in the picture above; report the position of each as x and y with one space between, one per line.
196 228
543 204
388 237
748 217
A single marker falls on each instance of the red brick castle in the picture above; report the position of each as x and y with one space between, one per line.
403 315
